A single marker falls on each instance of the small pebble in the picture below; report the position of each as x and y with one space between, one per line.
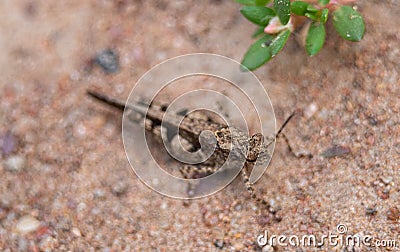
393 214
274 206
310 110
263 220
81 207
238 207
383 194
15 163
8 143
120 188
27 224
210 219
387 180
335 151
48 244
370 211
278 217
99 193
372 121
219 244
108 60
267 248
76 232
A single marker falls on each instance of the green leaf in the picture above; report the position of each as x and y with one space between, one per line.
246 2
349 23
324 15
323 2
312 16
258 32
257 54
261 2
311 9
282 8
315 38
259 15
279 42
299 7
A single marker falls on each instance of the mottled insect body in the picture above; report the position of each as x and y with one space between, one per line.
201 135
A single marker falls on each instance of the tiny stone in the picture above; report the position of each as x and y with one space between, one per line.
48 244
238 207
335 151
384 194
278 217
76 232
274 206
27 224
164 205
393 214
310 110
81 206
119 188
267 248
219 244
99 193
387 180
108 60
263 220
372 121
8 143
15 163
370 211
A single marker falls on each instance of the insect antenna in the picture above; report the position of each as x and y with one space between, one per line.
284 124
291 150
108 100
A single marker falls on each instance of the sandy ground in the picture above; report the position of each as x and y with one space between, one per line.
66 183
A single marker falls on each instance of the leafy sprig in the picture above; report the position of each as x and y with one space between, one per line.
277 20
